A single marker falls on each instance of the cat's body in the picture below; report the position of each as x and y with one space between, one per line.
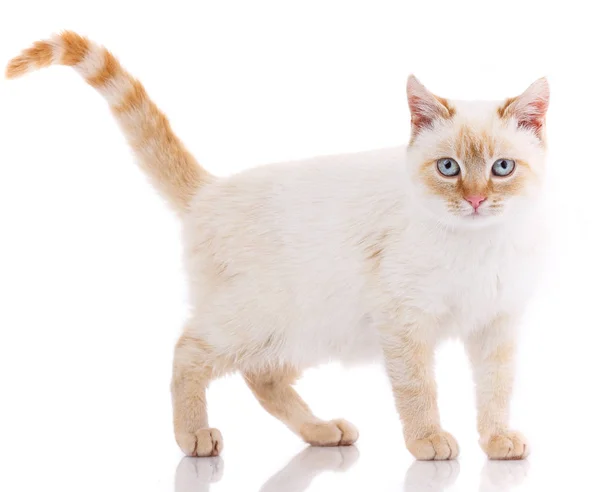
298 262
348 257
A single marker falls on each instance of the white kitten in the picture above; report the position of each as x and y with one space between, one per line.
347 257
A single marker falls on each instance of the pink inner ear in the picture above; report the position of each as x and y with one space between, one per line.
421 116
532 116
425 110
529 109
424 106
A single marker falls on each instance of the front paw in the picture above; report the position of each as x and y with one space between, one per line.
202 443
508 445
438 446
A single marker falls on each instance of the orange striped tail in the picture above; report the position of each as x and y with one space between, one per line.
171 168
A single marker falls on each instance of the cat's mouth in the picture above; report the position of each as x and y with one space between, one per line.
481 216
475 219
476 215
472 214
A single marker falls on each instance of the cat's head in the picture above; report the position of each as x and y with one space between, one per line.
476 163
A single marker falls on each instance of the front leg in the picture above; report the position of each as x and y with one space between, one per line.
409 364
492 354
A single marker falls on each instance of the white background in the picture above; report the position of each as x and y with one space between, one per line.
91 288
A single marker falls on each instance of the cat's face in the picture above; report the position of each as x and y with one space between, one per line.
476 163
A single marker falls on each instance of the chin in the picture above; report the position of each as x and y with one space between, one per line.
481 220
473 221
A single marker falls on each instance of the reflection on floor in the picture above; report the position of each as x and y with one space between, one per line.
502 476
196 474
434 476
306 465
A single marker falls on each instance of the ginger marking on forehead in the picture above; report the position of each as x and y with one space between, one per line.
474 146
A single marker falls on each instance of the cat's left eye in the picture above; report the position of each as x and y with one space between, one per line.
503 167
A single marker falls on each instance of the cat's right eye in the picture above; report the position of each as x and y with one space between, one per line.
448 167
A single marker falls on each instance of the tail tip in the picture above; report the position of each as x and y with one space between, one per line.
16 67
38 56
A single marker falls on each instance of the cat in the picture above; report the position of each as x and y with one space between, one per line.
350 257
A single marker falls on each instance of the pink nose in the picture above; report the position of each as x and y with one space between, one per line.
475 200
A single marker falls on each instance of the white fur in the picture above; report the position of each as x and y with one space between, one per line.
117 88
57 49
91 64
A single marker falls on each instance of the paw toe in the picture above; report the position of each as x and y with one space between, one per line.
202 443
349 432
506 446
335 433
439 446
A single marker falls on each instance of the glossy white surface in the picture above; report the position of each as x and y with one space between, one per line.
91 290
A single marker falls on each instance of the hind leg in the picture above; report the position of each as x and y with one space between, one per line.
275 393
193 369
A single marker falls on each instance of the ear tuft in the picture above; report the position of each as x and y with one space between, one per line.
425 107
529 109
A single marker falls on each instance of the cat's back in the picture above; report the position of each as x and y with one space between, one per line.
303 181
301 200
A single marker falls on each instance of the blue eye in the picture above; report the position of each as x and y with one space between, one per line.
448 167
503 167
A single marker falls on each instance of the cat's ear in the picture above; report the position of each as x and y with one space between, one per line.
425 107
529 109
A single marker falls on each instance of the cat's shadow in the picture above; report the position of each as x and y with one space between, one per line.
196 474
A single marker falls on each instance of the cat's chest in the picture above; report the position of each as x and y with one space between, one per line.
465 281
